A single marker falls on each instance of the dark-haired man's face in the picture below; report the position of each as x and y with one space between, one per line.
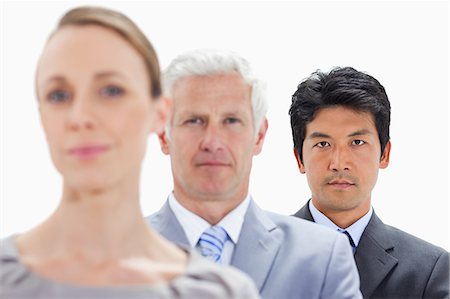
341 159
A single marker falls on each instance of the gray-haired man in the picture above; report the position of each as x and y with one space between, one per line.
218 125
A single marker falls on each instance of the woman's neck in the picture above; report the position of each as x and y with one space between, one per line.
93 223
100 238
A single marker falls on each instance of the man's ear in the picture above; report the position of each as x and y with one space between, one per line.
299 162
384 162
164 142
261 136
163 113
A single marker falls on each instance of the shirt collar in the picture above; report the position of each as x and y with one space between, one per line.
193 225
355 230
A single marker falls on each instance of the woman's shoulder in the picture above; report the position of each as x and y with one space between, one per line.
204 278
9 259
12 272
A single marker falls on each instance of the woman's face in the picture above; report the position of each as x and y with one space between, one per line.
96 107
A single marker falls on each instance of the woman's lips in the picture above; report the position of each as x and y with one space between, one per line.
88 151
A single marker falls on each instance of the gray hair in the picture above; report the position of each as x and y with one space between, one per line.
206 62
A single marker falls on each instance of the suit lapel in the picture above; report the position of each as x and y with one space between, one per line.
372 258
165 222
304 213
258 245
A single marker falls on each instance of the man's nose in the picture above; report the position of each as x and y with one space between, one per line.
340 160
212 139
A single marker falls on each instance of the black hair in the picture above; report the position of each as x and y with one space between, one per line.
345 87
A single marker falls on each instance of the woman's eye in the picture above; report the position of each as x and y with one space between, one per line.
358 142
323 144
58 96
112 91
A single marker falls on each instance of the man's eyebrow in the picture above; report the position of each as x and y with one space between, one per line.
318 135
360 132
314 135
190 113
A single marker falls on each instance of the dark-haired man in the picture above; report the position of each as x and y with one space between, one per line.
340 125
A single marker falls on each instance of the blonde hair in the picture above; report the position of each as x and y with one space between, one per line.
125 27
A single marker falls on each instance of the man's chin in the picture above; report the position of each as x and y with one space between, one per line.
214 192
345 205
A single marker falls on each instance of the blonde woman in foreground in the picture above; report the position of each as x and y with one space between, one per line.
98 89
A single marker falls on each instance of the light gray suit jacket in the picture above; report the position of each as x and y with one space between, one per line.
285 256
395 264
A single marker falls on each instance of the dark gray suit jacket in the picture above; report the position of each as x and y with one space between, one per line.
286 257
395 264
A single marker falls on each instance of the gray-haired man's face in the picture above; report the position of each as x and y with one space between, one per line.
212 140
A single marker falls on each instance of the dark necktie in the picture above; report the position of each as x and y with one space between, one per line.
350 240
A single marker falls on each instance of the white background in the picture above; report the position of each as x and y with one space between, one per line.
402 44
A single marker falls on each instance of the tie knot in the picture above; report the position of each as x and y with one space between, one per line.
211 242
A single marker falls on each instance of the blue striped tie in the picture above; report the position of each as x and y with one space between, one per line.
211 242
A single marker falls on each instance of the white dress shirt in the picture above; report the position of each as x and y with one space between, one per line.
194 226
355 230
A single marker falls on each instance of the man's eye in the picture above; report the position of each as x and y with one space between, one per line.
58 96
358 142
323 144
112 91
232 120
194 121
